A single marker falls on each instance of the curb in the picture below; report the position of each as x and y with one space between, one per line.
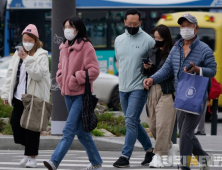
209 143
50 143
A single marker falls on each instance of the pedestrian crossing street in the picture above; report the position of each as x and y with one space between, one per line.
76 160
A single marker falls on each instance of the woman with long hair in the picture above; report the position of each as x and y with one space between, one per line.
161 112
76 56
28 68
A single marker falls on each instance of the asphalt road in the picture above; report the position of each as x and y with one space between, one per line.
76 160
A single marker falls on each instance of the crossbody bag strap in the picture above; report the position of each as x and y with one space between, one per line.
43 107
30 110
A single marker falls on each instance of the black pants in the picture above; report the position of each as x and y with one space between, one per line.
27 138
189 144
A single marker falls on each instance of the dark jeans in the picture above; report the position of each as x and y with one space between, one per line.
132 104
27 138
189 144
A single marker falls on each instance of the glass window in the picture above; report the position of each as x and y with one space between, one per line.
120 15
89 15
47 37
48 16
117 15
97 33
117 29
206 35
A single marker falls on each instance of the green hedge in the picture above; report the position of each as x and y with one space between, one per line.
5 111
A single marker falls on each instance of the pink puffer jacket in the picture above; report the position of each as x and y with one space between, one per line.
73 62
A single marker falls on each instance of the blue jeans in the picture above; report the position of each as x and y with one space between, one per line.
132 105
73 127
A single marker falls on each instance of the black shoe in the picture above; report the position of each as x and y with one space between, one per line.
183 167
148 158
199 133
122 162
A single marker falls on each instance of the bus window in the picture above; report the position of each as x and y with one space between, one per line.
97 33
117 29
47 36
89 15
117 15
207 35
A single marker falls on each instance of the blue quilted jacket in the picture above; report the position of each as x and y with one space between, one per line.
200 54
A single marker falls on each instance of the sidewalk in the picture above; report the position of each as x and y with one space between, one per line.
209 143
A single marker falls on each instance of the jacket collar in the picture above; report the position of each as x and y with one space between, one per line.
154 50
75 46
180 43
127 33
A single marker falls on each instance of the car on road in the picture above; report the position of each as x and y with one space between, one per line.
105 86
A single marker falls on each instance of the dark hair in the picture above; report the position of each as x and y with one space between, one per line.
132 12
80 26
164 32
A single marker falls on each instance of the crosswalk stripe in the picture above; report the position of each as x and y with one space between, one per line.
8 153
74 160
12 168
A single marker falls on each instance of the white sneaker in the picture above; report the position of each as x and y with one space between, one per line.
172 153
156 162
24 161
50 165
96 167
31 163
208 163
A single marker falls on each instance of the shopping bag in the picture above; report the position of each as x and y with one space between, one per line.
191 93
36 114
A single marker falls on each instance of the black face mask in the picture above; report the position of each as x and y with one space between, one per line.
159 43
132 30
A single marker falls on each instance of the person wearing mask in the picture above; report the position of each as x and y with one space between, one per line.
188 50
76 56
130 48
160 103
28 68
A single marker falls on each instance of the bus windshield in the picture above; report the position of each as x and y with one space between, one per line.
206 35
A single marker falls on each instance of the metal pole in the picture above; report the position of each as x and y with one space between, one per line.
214 117
61 9
174 135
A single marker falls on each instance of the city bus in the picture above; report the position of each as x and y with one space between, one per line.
104 20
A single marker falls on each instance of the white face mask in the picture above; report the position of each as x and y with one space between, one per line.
69 34
28 46
187 33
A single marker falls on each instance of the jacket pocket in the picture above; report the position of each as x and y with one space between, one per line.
73 84
59 81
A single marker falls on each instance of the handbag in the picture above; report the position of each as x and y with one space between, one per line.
89 119
191 93
37 112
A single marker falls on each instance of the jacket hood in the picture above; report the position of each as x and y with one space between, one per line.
40 51
127 33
